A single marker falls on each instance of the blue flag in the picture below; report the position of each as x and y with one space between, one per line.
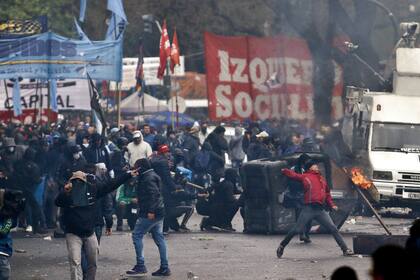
17 106
53 95
115 28
82 35
82 10
116 6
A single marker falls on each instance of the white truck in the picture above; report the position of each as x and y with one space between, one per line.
383 129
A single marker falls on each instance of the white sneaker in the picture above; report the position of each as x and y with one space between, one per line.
28 229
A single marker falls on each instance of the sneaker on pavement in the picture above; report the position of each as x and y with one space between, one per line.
162 272
280 251
305 239
348 252
137 270
28 229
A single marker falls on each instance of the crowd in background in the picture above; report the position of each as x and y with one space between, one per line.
39 160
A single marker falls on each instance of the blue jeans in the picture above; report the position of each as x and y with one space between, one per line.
155 227
4 267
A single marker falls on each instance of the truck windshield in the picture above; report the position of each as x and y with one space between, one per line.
396 137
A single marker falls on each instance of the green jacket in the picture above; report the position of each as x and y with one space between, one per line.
126 193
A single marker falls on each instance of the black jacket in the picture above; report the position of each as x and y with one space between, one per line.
218 144
82 220
172 194
149 194
190 148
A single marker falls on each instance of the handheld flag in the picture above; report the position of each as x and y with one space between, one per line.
82 10
165 50
98 114
174 52
139 70
116 27
82 36
53 95
17 106
116 6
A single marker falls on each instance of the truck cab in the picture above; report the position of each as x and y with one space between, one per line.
383 130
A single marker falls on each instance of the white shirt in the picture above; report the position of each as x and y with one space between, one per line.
136 152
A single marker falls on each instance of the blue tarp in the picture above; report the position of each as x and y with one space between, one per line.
161 118
51 56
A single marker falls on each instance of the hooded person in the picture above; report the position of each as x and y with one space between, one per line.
137 149
97 152
294 194
173 195
151 213
191 146
223 204
11 154
28 180
78 201
219 146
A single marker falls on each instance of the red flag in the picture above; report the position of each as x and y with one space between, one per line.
165 50
174 52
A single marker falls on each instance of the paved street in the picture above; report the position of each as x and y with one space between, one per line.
208 255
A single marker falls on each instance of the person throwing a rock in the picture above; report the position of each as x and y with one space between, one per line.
317 200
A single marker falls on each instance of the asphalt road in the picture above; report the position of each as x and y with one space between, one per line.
209 255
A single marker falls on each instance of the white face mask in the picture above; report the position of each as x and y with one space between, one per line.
86 145
76 156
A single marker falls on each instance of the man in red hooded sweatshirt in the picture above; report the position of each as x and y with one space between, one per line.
317 200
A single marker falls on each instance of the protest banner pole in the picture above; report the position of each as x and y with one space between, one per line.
49 103
7 98
118 104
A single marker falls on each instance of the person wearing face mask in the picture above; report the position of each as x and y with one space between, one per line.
202 135
74 161
137 149
10 154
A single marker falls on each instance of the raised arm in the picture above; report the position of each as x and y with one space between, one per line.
291 174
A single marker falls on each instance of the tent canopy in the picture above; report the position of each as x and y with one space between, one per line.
143 104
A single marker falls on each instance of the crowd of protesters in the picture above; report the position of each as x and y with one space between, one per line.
39 160
191 164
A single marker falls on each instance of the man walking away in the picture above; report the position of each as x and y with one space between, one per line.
151 213
317 198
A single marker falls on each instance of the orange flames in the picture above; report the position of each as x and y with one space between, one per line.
359 179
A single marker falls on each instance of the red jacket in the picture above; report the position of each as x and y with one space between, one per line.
315 187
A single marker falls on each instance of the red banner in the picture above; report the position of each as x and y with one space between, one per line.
260 78
29 116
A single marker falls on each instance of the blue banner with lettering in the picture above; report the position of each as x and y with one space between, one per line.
51 56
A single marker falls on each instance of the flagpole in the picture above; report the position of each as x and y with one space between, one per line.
7 96
49 103
118 105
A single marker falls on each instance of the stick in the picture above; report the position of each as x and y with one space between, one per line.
366 201
195 186
191 184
